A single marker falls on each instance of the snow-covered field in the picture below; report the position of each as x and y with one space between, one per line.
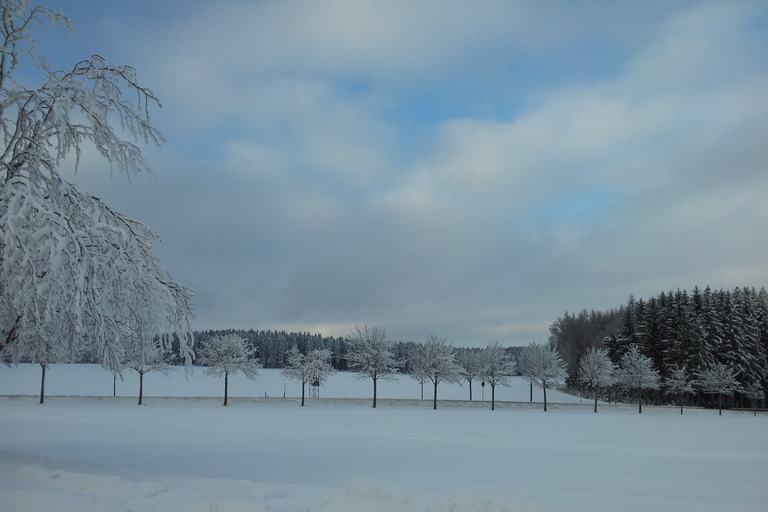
269 454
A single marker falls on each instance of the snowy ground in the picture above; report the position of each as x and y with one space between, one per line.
269 454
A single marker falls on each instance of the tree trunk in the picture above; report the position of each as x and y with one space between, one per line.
719 399
226 383
681 403
302 393
434 399
374 393
114 384
493 396
470 390
531 399
42 384
596 392
422 390
141 386
544 388
640 401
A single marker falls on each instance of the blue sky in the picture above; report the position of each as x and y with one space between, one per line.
469 169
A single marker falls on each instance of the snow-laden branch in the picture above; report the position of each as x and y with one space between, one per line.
71 268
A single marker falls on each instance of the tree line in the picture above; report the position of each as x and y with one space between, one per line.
681 334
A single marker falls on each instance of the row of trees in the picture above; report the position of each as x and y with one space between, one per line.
685 339
636 373
371 355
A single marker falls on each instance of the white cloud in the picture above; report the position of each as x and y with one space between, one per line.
308 208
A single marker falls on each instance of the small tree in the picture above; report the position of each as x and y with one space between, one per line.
228 354
720 379
679 383
544 366
754 391
417 366
311 368
636 372
41 347
495 368
143 355
440 363
525 363
469 360
596 371
370 355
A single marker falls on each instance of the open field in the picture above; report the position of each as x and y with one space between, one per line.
192 454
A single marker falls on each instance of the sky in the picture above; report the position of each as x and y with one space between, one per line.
466 169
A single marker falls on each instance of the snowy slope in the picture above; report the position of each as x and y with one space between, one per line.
104 454
93 380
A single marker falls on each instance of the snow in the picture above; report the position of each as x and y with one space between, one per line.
98 453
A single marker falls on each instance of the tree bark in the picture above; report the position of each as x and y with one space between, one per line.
493 396
226 382
544 388
434 399
470 390
302 393
42 384
141 386
596 391
531 399
374 393
640 400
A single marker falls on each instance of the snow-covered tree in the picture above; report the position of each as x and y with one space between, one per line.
313 368
544 366
596 370
417 366
679 383
754 391
143 354
469 360
226 355
370 355
44 351
71 268
495 368
636 372
440 363
719 379
525 364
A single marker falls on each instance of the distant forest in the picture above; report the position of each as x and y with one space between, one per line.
272 346
690 330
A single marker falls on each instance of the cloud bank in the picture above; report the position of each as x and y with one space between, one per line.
470 170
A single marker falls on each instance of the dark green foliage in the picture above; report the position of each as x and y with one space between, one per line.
693 332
